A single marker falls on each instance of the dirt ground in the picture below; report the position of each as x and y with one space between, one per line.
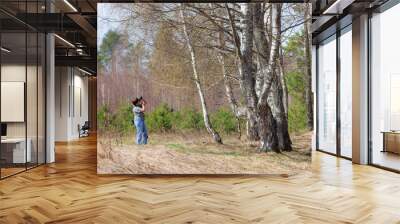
194 154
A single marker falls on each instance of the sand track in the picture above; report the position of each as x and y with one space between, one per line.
178 156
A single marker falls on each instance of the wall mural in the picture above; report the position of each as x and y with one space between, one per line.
205 88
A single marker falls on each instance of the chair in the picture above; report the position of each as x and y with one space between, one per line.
84 130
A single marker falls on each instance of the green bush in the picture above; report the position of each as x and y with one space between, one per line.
295 83
297 114
103 117
122 120
160 119
164 119
224 121
188 119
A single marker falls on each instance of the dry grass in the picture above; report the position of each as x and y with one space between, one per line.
194 154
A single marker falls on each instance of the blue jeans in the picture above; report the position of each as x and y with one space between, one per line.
141 131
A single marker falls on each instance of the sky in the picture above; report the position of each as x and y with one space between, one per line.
103 26
106 13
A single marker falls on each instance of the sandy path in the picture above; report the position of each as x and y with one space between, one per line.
164 159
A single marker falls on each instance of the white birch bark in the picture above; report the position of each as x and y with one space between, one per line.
237 110
246 71
216 137
244 51
267 69
281 74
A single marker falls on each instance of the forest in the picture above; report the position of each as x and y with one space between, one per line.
235 77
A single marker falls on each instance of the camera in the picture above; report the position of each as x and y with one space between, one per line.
137 102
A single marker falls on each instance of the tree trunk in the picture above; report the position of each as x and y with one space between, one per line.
236 110
244 50
216 137
228 87
281 74
279 109
308 73
282 127
270 135
268 56
267 127
113 63
229 95
247 72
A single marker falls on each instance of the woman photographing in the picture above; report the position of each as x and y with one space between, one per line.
139 107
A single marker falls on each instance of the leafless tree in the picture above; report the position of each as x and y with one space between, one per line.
215 135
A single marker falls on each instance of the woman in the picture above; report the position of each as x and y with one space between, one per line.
138 110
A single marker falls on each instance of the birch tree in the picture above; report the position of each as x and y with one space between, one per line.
244 52
269 62
215 135
268 125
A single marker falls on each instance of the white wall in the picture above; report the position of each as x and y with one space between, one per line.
12 73
81 84
71 94
17 73
62 82
33 126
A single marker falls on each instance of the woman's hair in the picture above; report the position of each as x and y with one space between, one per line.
135 101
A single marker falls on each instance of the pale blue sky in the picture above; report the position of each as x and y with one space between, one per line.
104 12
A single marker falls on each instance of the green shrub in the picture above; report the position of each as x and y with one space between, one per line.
224 121
164 119
297 114
103 117
188 119
122 119
160 119
295 83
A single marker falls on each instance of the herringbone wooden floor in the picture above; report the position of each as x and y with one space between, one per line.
69 191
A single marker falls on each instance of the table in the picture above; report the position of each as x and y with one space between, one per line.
13 150
391 141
